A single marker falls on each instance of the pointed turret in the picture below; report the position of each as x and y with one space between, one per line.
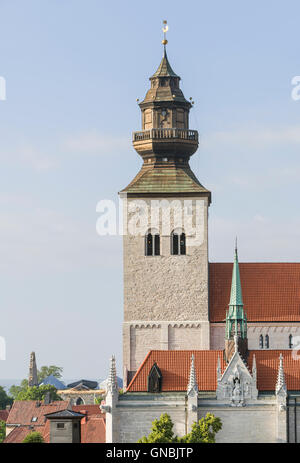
32 377
236 321
281 384
165 142
112 384
192 386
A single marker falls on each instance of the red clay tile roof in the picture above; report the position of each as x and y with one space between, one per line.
93 426
3 415
17 435
271 291
267 362
175 368
23 411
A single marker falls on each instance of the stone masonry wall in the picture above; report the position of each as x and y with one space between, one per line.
278 335
164 288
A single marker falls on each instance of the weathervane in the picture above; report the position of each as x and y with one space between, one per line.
165 30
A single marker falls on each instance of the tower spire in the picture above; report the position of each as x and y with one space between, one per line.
236 320
192 386
32 377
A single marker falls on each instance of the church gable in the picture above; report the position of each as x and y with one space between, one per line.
237 385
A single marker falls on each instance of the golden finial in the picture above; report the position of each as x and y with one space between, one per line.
165 30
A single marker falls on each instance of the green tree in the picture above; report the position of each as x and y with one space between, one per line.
38 393
161 431
34 437
204 431
4 399
44 371
2 430
50 370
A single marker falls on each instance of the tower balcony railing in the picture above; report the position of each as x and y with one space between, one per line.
163 134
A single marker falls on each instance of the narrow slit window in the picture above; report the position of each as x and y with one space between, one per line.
152 244
178 246
261 342
290 341
267 341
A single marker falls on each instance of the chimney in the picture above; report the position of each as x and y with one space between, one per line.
8 407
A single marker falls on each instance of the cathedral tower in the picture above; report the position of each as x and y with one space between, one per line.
165 230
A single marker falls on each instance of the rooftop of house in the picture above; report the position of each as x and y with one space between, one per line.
20 419
175 369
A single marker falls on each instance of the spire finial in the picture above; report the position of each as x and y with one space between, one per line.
236 244
165 30
112 385
192 386
281 384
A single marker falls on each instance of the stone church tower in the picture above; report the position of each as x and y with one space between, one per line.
165 211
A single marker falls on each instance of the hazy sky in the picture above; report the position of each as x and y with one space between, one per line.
73 70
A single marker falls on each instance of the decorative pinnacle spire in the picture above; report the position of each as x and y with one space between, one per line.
281 384
165 30
112 384
254 373
192 386
219 371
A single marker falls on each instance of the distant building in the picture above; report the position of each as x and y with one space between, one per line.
82 392
57 421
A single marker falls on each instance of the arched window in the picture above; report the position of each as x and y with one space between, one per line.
79 401
267 341
261 341
154 379
152 245
290 341
178 247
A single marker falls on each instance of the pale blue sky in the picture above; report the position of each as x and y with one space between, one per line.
74 69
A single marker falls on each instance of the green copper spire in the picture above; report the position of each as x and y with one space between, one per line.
236 289
236 320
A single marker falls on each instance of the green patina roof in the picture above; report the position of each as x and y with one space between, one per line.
165 180
164 69
236 288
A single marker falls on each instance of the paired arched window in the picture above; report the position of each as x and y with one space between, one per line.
178 246
267 341
261 341
290 341
152 244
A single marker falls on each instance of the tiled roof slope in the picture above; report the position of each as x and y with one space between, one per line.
267 362
175 368
23 411
271 291
92 424
3 415
165 180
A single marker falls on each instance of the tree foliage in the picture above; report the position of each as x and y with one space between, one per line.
2 430
34 437
4 399
38 393
203 431
50 370
44 371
